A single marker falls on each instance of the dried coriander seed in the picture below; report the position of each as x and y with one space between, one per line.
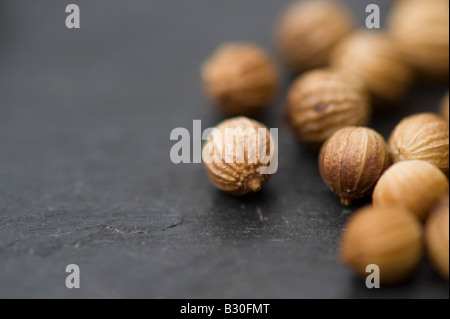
240 78
321 102
437 237
373 58
236 153
351 162
421 31
414 186
309 30
386 237
422 137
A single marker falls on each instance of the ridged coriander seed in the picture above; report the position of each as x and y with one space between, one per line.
422 137
351 162
238 155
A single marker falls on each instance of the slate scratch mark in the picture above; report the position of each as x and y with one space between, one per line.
115 230
173 225
260 215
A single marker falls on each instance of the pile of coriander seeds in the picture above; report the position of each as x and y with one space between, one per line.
344 75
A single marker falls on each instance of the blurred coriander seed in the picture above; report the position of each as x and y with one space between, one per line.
437 237
413 186
321 102
308 31
373 58
240 78
386 237
352 161
421 31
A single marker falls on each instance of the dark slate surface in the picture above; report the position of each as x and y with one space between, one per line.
85 175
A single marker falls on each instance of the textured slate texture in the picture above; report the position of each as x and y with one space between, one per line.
85 174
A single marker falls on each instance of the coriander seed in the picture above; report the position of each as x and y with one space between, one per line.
351 162
240 78
437 237
421 31
373 58
236 153
386 237
309 30
321 102
414 186
422 137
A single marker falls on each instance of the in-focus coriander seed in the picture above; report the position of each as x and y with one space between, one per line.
422 137
351 162
236 153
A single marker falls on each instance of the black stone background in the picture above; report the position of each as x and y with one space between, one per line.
85 174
